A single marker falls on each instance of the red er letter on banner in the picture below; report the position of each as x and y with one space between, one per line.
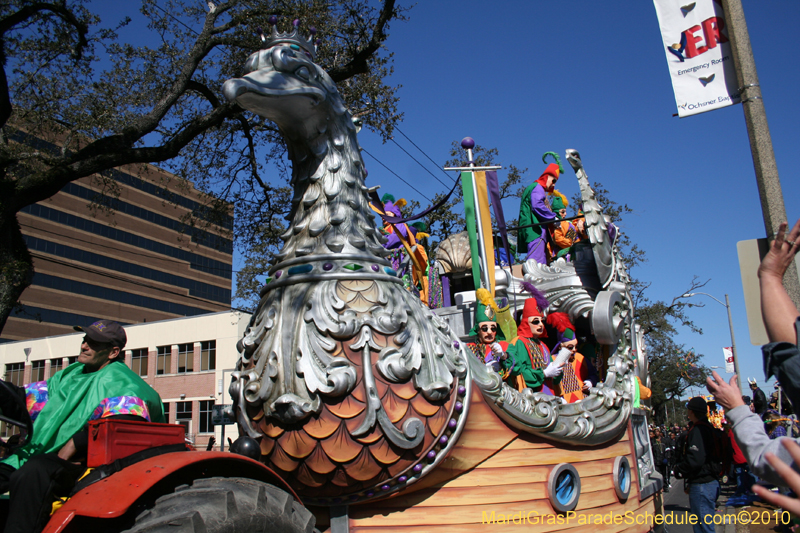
712 30
691 42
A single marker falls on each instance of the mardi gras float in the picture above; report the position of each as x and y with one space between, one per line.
369 403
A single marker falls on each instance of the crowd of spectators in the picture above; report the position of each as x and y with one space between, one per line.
763 441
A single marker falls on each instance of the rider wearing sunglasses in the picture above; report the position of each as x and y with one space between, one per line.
534 208
579 373
491 346
534 367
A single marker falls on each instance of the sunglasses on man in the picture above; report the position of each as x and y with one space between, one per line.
487 329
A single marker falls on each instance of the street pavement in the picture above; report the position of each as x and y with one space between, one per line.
676 503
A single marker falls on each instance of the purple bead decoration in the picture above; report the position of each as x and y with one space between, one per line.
278 274
417 468
462 390
272 20
386 487
459 406
366 172
312 30
452 424
456 344
296 22
370 494
443 440
318 42
309 55
327 266
431 455
354 497
259 31
375 268
402 479
467 143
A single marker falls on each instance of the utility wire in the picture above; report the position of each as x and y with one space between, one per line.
420 164
396 174
423 153
173 17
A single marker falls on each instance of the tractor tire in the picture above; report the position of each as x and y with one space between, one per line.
225 505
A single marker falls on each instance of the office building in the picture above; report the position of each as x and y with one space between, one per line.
134 259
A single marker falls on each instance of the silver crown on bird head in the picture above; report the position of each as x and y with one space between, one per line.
308 45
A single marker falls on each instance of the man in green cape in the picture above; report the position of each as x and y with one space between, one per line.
98 385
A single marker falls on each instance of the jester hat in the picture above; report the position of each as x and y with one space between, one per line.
486 311
565 331
558 202
553 169
532 307
390 205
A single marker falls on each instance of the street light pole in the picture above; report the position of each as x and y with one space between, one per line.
727 305
733 344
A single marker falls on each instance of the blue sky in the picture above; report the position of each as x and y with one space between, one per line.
532 76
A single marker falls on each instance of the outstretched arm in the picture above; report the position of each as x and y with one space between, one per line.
777 309
748 429
789 476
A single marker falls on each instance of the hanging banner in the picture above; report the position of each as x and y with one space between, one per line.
698 55
485 231
728 353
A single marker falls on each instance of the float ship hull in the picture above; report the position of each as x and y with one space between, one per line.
494 475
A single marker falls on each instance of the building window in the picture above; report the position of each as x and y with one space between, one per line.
14 373
185 358
163 360
206 422
208 355
37 371
166 412
183 415
73 359
139 361
56 365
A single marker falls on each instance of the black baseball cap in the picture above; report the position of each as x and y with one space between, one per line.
698 405
106 332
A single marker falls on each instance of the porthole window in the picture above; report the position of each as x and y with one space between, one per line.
564 487
622 477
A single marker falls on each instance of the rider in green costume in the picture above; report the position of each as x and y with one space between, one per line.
98 386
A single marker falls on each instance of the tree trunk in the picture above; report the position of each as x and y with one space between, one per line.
16 266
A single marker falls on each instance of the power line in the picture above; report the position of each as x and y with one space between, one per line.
173 17
423 153
420 164
396 174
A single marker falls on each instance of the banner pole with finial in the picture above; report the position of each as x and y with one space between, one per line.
468 144
482 279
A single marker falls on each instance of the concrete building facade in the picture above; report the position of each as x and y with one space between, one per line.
134 259
188 361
